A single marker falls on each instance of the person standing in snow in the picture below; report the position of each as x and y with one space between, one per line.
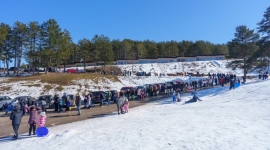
68 104
178 97
142 93
109 98
120 102
128 94
85 101
101 99
222 81
78 104
22 105
139 93
89 101
174 96
60 104
16 117
125 106
33 119
43 104
33 102
65 100
260 75
231 84
56 103
195 85
115 96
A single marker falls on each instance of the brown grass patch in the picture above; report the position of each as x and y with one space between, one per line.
47 87
63 79
5 88
31 85
59 88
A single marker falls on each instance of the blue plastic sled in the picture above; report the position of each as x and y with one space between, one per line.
42 131
236 85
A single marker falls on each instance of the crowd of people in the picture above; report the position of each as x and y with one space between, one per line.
19 109
121 99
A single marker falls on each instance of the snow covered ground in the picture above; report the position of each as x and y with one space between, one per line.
24 88
225 119
217 66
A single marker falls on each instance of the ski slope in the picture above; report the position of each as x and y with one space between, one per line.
225 119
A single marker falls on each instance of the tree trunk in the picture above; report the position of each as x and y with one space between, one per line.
47 67
84 64
245 68
7 66
19 59
15 61
64 67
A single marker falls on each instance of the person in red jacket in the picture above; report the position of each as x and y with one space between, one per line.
222 81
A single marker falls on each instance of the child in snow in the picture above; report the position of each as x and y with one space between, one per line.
42 119
33 119
174 96
126 106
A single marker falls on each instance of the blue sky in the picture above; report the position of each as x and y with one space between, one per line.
157 20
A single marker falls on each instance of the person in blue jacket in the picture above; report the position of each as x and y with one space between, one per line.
174 96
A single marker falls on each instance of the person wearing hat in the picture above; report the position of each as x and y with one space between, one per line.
16 117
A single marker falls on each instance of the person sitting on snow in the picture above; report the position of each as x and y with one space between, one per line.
194 99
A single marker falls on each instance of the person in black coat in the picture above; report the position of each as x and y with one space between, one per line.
16 117
78 103
20 102
56 102
231 84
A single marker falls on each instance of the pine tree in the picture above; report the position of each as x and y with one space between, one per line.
243 46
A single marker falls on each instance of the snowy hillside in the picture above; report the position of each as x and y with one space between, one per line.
218 66
225 119
36 87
